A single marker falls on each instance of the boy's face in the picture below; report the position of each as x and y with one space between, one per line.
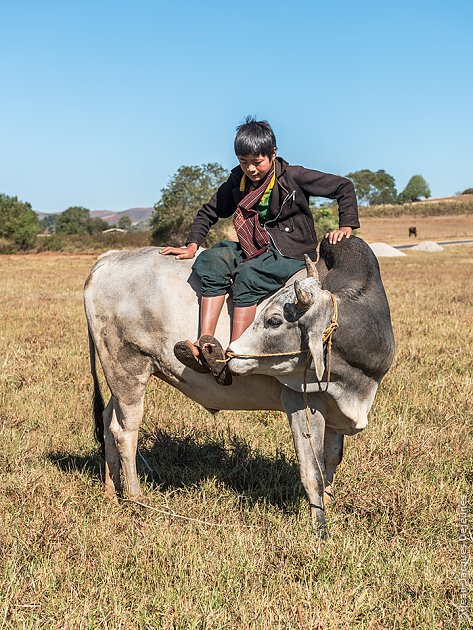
256 167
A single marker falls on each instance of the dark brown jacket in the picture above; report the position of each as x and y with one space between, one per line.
290 224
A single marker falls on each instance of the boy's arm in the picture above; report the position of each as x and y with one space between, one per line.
318 184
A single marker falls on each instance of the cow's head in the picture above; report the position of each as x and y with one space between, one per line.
293 320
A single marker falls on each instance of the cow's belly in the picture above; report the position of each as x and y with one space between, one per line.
245 393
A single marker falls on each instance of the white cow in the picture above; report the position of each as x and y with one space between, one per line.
139 303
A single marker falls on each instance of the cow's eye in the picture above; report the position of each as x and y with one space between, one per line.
274 321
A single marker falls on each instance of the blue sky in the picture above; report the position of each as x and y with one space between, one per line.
102 101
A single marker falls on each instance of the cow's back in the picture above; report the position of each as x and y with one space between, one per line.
151 298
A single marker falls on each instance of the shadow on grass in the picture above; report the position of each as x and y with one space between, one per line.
183 462
91 465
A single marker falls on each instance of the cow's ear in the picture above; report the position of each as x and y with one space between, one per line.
316 349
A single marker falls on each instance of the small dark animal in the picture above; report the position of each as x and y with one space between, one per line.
413 231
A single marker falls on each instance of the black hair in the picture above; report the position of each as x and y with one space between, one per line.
254 137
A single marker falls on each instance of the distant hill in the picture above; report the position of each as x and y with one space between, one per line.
137 215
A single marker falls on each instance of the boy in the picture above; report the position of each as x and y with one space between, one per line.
270 203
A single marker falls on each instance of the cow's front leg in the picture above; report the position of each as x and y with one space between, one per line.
333 453
310 453
124 426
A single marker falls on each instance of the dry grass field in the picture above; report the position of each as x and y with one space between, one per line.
395 230
69 559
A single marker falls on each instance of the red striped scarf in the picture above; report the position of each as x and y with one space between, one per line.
254 239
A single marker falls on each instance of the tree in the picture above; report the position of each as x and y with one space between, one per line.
374 187
96 225
77 220
18 222
48 223
74 220
124 222
416 187
189 188
467 191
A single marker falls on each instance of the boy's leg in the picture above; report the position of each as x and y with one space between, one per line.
210 309
214 267
253 280
243 317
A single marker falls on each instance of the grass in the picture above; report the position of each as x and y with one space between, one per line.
69 559
396 229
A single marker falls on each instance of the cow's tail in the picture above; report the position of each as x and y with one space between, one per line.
97 400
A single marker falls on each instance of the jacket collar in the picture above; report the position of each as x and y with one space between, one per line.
281 166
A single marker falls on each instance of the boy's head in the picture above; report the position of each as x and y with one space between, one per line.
255 147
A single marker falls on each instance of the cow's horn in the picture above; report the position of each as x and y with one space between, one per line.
304 298
311 268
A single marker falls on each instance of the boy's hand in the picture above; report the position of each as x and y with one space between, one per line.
188 251
336 235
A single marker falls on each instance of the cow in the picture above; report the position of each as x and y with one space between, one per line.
413 231
139 303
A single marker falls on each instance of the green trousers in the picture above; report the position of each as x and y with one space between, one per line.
223 268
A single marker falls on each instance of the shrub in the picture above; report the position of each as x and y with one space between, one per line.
18 223
325 218
51 243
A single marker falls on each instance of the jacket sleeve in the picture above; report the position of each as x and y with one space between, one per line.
318 184
220 206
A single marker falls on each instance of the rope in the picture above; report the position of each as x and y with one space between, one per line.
172 514
327 337
232 355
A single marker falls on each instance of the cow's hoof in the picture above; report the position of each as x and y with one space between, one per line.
318 523
110 495
321 532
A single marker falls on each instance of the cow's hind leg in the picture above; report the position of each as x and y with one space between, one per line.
127 372
112 457
310 453
333 453
124 426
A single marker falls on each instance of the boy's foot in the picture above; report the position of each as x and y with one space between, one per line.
190 355
214 356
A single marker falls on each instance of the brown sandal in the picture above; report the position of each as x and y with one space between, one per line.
214 356
183 353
